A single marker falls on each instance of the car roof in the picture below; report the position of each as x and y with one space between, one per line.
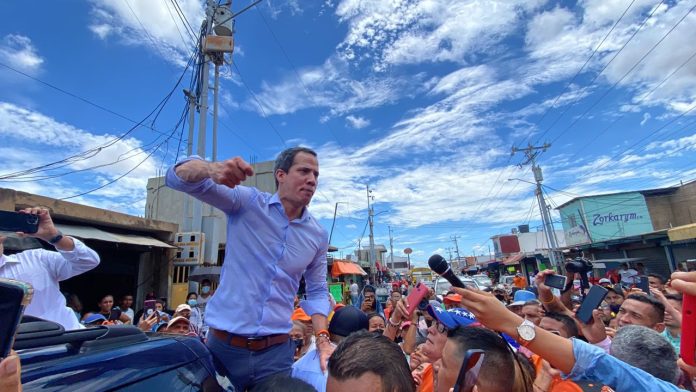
55 359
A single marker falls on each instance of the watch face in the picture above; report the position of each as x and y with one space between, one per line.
526 332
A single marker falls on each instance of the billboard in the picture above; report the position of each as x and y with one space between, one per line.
574 224
603 218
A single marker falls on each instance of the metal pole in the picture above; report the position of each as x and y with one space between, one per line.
192 108
373 259
391 248
215 110
333 223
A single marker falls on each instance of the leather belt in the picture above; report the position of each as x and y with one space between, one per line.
257 343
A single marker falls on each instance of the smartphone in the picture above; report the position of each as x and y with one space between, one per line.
592 301
16 221
644 284
14 297
687 350
115 315
415 297
149 306
556 281
469 372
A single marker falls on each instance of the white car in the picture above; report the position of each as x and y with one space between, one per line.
442 286
483 281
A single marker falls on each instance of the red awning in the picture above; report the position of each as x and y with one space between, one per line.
346 268
514 260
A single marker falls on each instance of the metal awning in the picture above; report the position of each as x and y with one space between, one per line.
514 260
92 233
681 233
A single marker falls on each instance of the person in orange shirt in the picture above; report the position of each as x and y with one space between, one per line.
519 281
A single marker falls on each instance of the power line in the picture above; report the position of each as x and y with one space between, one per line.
263 111
548 109
183 18
624 76
603 69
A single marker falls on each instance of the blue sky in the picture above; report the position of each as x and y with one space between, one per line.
422 100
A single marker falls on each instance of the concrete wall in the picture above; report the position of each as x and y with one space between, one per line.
684 205
661 214
534 242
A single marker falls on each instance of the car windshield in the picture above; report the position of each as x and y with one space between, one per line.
443 286
483 280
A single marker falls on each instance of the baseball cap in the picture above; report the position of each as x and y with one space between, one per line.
176 320
158 326
453 318
347 320
182 307
453 298
521 297
300 314
92 318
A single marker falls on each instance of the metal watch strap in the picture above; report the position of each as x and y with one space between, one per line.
56 239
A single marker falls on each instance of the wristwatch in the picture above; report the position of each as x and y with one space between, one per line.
56 239
526 332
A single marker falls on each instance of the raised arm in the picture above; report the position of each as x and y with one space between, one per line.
214 183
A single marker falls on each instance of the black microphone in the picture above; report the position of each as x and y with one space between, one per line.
438 264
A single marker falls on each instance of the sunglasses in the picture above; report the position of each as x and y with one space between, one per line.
469 372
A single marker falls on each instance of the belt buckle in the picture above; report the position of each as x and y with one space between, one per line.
252 340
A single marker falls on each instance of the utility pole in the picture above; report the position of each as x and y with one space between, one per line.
216 40
449 251
456 245
391 248
372 256
531 152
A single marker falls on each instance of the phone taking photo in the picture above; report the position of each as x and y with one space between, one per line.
644 284
469 372
556 281
415 297
14 297
19 222
592 301
687 349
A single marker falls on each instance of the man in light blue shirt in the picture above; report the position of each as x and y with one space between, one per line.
272 241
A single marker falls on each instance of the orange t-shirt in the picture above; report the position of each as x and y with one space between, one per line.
519 282
558 384
428 384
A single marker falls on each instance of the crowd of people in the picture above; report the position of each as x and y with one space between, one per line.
265 338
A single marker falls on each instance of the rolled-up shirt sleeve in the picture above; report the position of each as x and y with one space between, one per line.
66 264
219 196
317 301
593 363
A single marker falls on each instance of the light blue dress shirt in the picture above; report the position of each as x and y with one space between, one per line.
265 258
593 363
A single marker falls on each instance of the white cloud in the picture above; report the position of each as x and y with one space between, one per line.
413 32
357 122
18 52
34 132
331 86
155 25
646 117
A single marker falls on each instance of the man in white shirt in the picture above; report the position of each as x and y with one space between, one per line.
354 292
43 269
628 275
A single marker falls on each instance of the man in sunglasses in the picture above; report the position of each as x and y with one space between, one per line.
443 321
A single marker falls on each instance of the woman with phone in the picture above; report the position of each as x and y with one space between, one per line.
106 309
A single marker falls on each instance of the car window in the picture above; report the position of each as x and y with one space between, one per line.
190 377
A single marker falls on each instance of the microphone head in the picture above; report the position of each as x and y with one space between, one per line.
438 264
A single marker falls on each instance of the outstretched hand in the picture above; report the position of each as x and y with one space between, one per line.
230 172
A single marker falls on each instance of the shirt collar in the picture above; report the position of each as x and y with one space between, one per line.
275 199
7 260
